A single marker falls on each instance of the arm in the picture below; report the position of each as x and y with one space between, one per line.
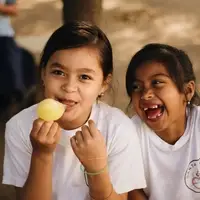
39 183
125 171
101 186
8 9
137 195
89 147
44 137
30 157
39 179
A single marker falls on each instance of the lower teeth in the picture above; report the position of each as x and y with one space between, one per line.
155 116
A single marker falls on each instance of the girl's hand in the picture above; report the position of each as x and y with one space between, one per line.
45 136
89 146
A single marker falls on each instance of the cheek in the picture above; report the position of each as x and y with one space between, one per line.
90 92
136 102
51 88
135 99
172 97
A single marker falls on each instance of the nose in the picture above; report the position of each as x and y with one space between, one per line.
70 85
147 94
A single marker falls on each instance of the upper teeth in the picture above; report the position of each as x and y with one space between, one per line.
152 107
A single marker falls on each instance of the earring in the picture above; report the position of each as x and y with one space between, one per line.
188 103
101 95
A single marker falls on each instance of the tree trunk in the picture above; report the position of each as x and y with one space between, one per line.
87 10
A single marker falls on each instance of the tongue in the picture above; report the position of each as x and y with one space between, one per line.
153 113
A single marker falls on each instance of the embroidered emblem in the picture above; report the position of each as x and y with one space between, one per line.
192 176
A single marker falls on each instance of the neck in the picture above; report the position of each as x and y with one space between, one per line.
173 133
76 123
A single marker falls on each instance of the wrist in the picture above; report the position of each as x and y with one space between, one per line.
94 166
44 157
104 196
94 172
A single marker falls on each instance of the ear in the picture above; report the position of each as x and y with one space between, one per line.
106 84
189 90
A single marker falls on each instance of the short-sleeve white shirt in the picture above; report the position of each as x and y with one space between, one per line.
123 148
172 172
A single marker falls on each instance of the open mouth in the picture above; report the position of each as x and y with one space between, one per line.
68 103
154 112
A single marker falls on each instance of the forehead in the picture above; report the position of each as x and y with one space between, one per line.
76 58
150 69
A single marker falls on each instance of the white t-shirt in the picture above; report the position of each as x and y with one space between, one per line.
172 172
124 154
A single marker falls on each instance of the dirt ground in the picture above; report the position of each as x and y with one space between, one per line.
128 24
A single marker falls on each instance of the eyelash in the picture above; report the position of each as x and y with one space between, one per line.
58 73
82 77
136 88
155 83
85 77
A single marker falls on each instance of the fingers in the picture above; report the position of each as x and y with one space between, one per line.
37 124
86 134
53 134
45 131
74 144
79 137
93 129
58 134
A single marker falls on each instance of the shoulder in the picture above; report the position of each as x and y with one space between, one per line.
141 128
116 127
23 120
139 125
195 111
112 116
194 116
136 120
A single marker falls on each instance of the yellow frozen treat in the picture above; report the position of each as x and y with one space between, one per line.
50 110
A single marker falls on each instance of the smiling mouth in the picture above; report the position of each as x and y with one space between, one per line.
154 112
68 103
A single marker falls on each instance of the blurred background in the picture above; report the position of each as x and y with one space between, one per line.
129 24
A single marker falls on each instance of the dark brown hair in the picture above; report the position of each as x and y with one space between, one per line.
78 34
176 61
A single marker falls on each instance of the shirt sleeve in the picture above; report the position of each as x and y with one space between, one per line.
125 159
17 155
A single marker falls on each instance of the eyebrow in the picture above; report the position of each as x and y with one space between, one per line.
83 70
161 74
154 75
56 64
86 70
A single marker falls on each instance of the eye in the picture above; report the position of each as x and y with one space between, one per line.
156 82
58 73
136 87
84 77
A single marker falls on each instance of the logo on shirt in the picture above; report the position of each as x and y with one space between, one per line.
192 176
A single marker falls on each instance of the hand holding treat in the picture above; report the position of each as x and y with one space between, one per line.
45 136
50 110
45 133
